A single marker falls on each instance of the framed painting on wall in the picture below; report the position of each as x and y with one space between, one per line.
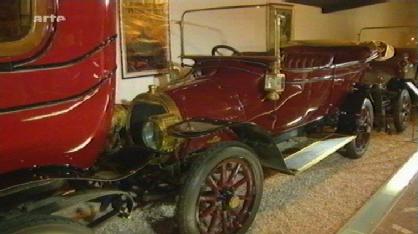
286 24
144 37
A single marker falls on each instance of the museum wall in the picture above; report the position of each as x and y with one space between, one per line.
345 25
309 23
395 12
127 89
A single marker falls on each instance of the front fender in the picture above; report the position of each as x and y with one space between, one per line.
263 144
396 84
250 134
351 108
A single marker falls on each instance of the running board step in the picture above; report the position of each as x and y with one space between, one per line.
314 153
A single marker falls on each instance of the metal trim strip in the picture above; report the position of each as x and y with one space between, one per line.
10 110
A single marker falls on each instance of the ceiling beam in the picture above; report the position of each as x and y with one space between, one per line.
345 5
329 6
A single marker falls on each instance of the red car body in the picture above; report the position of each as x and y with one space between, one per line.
234 89
318 81
56 102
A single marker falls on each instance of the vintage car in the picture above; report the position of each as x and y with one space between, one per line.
205 139
394 79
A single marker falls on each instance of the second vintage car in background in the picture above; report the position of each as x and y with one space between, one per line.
393 80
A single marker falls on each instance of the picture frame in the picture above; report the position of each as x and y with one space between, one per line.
145 37
287 24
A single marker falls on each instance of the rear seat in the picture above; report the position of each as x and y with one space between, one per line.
297 57
307 60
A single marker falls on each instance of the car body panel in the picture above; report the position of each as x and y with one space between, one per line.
232 88
57 109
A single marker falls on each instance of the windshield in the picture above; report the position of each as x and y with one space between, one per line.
247 29
399 37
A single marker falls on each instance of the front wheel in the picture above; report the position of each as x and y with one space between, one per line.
364 125
222 191
42 224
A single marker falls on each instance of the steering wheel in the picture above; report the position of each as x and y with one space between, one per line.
215 50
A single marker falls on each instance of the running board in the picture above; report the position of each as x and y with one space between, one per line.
314 153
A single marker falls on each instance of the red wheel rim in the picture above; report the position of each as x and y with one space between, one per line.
226 197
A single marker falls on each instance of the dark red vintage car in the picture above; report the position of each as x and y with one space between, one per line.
64 142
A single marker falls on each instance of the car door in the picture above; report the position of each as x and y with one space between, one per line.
319 85
246 79
275 116
308 85
290 109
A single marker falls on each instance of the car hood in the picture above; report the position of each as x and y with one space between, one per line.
207 98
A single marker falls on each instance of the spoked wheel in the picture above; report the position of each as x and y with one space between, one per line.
364 122
222 193
402 110
226 197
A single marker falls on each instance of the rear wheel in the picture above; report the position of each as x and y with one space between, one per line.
42 224
222 192
364 122
402 110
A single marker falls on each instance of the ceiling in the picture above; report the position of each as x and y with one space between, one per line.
329 6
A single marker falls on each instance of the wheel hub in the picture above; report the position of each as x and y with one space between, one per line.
229 199
234 202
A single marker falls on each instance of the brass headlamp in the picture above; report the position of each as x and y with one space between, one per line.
154 132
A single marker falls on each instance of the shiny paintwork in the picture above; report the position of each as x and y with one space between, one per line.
233 89
57 110
318 80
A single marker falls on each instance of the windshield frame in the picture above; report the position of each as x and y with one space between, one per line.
182 21
359 39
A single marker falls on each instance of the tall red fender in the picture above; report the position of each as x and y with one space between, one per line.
56 110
